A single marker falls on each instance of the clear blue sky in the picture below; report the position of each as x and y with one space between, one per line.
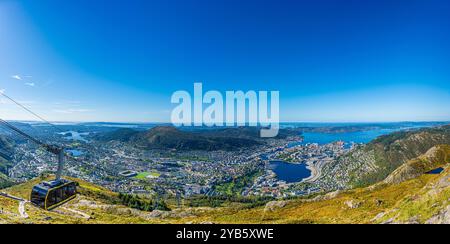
117 60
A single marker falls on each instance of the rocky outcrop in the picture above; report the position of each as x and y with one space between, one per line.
353 204
327 196
274 205
432 159
442 218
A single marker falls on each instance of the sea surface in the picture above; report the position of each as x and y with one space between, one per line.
362 136
297 172
76 136
348 137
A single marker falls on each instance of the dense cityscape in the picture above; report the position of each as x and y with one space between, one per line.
124 172
125 168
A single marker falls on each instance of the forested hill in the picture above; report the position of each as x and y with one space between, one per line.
168 137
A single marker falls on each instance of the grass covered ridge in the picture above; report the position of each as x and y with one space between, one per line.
415 200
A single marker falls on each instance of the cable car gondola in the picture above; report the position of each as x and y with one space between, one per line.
51 194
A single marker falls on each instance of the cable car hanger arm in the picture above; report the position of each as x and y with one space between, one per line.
50 148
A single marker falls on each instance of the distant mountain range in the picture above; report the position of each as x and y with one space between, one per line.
360 127
169 137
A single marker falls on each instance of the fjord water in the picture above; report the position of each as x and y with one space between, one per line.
74 135
362 136
297 172
290 172
348 137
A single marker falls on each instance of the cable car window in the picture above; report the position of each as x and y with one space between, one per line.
51 199
38 198
72 190
59 194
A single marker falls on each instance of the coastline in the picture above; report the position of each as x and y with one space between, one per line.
313 168
315 173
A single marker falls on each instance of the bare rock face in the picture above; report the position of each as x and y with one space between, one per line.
207 223
332 195
379 202
327 196
157 214
274 205
379 216
85 203
444 182
442 218
352 204
413 221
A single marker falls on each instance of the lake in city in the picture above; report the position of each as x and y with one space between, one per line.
298 172
75 153
290 172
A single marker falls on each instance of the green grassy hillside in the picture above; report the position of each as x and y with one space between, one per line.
422 199
93 205
373 162
5 181
6 146
406 193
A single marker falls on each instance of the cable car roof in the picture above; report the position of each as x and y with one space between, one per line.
47 185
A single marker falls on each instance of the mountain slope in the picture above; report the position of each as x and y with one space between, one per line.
123 135
5 181
93 205
6 151
373 162
408 194
168 137
435 157
423 199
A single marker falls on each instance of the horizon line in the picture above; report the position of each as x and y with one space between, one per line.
281 122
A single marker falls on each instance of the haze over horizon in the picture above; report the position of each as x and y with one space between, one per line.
332 61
